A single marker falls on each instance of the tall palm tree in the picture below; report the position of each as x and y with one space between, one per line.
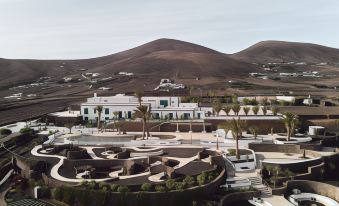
290 120
139 94
254 130
237 126
246 110
226 109
217 106
236 108
143 112
255 110
99 111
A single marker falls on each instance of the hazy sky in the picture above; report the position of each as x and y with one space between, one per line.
48 29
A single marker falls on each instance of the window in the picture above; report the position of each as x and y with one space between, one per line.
106 111
120 114
106 118
164 103
170 115
129 114
86 111
95 111
187 115
86 118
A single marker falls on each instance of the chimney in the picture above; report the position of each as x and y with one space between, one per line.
95 94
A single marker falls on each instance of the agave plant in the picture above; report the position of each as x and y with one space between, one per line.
236 108
227 110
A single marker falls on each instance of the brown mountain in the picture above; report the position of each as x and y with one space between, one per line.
280 51
160 58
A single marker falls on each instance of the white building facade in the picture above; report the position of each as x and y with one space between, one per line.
124 106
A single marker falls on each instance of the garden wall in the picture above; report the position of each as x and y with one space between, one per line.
314 187
237 196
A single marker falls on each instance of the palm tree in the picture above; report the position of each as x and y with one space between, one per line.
225 127
237 127
290 120
143 112
264 110
69 126
226 109
255 110
99 111
217 106
246 110
139 93
254 130
236 108
275 110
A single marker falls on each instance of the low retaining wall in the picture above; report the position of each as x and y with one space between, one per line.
314 187
184 197
237 196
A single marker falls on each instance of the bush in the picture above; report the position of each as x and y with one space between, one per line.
68 196
179 186
212 176
170 184
160 188
146 187
202 178
103 186
114 187
5 131
92 185
84 183
123 189
26 130
189 181
58 192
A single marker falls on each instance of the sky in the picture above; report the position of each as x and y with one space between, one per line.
73 29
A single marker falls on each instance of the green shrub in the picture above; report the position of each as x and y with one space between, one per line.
104 186
170 184
58 192
114 187
5 131
202 178
123 189
68 196
84 183
26 130
146 187
160 188
179 186
189 181
92 185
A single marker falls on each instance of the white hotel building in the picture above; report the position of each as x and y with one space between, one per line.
161 107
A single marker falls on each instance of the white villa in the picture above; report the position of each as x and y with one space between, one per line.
161 107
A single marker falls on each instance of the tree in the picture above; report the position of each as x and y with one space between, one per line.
189 181
246 110
226 109
236 108
143 112
264 101
275 110
246 101
237 126
290 121
99 109
123 189
217 106
69 126
264 110
139 94
235 99
255 110
225 127
254 130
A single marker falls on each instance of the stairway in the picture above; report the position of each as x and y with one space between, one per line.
257 184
